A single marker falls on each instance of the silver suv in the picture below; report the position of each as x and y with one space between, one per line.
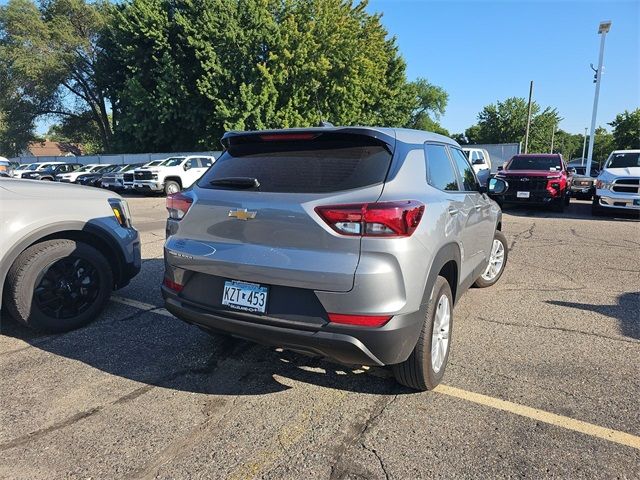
63 249
347 243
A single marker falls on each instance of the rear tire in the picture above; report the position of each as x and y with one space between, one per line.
418 371
171 187
68 273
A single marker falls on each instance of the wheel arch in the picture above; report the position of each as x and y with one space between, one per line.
91 234
445 263
173 178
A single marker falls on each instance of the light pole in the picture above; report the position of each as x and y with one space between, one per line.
526 135
584 147
602 30
553 136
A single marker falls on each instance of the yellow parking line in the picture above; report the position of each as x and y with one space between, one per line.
615 436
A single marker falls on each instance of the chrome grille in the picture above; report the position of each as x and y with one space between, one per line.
626 185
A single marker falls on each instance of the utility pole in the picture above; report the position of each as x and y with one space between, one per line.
603 29
553 135
526 135
584 147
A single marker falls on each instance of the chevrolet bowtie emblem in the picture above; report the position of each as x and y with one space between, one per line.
242 214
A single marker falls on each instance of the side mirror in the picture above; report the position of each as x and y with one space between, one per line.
571 171
497 186
500 168
186 166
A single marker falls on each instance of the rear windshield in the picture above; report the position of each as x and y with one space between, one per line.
328 163
624 160
535 163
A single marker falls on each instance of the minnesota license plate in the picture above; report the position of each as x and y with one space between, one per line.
523 194
249 297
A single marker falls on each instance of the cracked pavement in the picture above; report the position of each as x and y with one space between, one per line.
141 395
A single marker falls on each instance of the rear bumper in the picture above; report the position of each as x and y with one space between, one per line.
389 344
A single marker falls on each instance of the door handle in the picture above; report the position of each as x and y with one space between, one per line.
478 207
453 211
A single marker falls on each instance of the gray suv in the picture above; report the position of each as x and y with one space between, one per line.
352 244
63 249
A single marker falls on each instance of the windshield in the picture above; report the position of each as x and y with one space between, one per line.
531 162
155 163
173 161
624 160
86 168
31 166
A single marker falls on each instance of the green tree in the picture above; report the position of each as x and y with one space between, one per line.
49 54
430 103
180 73
506 121
626 130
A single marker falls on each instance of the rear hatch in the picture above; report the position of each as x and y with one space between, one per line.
271 234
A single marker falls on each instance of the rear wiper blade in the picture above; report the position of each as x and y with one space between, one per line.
235 182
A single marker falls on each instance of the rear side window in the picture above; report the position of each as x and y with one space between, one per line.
327 163
465 170
205 162
439 168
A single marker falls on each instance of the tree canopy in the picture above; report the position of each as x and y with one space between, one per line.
506 122
626 130
49 56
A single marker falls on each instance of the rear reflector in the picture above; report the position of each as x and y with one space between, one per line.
359 320
178 204
384 219
171 285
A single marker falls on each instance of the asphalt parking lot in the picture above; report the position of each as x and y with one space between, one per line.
543 381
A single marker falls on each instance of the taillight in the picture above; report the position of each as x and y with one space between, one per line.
359 320
178 204
171 285
384 219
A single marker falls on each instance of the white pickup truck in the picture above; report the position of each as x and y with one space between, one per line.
479 158
174 174
618 183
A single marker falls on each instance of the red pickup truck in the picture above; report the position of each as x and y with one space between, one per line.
536 179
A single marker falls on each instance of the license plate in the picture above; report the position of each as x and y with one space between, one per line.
636 202
523 194
249 297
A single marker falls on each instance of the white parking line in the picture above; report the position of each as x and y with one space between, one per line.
568 423
590 429
141 305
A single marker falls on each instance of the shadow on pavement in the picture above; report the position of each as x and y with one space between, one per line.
160 351
627 312
577 210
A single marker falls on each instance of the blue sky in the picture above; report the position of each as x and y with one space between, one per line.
484 51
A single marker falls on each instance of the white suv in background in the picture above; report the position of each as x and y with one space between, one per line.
479 157
173 175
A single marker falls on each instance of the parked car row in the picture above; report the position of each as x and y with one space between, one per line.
545 179
353 243
167 176
349 243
